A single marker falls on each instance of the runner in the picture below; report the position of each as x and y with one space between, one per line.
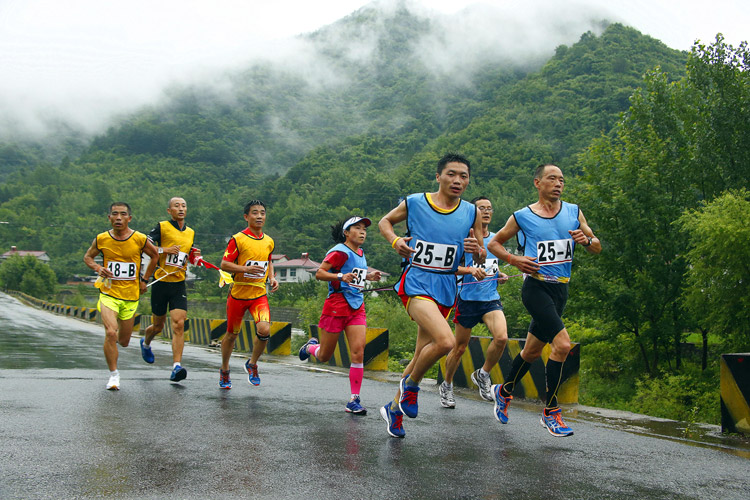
248 257
478 301
548 231
120 282
345 269
440 228
174 240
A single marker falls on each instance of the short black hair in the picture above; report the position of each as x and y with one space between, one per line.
450 158
539 172
252 203
120 204
478 198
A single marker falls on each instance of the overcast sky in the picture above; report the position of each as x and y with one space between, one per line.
98 57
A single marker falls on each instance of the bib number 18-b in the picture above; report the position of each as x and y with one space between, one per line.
122 270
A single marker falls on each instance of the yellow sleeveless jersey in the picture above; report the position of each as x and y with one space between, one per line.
123 259
251 251
175 264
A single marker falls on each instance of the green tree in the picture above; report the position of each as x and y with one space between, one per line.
28 275
718 277
678 145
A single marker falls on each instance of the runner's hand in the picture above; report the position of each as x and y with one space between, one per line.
478 273
403 248
527 265
173 250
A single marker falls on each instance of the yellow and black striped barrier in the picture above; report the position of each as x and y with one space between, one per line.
533 385
210 331
735 393
376 350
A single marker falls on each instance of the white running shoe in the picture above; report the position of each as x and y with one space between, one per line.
484 384
446 396
114 383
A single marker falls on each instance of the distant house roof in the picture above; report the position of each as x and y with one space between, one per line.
279 257
303 262
39 254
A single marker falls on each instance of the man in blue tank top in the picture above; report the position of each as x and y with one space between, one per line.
548 231
478 302
440 227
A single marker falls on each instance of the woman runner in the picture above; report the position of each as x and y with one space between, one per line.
345 268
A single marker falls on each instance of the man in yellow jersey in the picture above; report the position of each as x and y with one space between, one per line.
120 281
174 243
248 258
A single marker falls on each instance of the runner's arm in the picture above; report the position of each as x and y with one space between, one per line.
583 233
525 264
88 259
401 245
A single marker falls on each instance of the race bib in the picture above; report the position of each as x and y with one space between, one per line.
434 256
263 264
178 260
360 276
554 252
122 270
490 267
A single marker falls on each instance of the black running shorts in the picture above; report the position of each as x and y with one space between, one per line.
546 303
172 295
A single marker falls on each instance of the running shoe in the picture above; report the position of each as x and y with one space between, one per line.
408 402
501 404
303 354
485 387
252 373
394 419
114 383
446 396
355 406
178 373
553 422
224 382
146 352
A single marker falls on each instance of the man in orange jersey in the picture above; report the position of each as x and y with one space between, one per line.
174 240
120 281
248 258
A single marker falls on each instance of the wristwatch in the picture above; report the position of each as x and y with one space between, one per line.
339 276
589 243
160 250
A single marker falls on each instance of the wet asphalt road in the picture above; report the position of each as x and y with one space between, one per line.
62 435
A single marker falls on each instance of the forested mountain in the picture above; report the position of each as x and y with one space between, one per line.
359 126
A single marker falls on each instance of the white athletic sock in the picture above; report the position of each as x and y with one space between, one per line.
176 365
113 373
447 385
483 373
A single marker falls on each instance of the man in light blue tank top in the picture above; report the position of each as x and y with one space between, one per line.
478 302
440 229
549 232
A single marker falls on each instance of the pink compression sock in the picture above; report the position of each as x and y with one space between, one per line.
313 349
356 373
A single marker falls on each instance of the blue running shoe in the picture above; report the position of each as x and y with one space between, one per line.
501 404
303 354
355 406
394 420
252 373
553 422
408 402
224 382
147 353
178 373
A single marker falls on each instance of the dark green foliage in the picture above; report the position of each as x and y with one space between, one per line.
27 275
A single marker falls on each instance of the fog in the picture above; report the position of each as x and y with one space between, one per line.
87 62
